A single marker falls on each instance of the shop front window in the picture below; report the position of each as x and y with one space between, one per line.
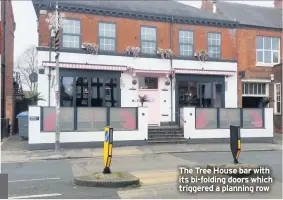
200 94
66 91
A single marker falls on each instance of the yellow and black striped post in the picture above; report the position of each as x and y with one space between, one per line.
235 142
57 43
107 153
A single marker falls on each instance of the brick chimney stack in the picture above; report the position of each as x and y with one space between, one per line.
277 3
207 5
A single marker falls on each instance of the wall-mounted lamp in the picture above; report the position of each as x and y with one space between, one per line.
272 77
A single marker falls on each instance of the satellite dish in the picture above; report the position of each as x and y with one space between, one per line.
33 77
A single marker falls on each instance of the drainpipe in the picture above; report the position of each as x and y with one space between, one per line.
49 68
3 59
171 67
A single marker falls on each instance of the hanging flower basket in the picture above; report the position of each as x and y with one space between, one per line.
135 51
165 53
202 55
92 48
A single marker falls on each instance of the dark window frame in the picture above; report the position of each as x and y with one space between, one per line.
103 37
72 34
151 41
218 46
188 44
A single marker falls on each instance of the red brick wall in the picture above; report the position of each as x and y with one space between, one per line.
128 33
9 58
277 71
246 46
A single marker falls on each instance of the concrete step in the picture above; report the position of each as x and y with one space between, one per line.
166 139
175 141
165 132
165 136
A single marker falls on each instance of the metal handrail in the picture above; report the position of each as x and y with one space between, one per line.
180 117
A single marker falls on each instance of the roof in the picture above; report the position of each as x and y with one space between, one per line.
169 8
251 15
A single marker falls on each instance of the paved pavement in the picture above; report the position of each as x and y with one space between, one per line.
14 150
157 173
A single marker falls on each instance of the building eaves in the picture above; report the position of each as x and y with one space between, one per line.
164 11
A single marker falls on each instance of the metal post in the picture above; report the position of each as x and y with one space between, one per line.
57 135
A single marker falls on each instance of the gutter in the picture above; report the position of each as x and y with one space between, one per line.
3 60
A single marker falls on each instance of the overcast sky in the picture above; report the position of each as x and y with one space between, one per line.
26 24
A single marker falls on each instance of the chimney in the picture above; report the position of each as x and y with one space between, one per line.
207 5
277 3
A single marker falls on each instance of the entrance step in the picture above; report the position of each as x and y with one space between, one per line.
168 124
174 141
166 134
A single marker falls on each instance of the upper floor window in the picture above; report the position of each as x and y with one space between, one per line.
214 45
148 40
71 35
186 43
107 36
277 98
267 50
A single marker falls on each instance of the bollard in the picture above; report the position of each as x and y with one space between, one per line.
107 153
235 142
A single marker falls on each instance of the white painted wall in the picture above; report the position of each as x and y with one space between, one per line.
207 65
127 95
38 137
231 97
191 132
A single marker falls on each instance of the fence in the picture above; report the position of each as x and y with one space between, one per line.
222 118
89 119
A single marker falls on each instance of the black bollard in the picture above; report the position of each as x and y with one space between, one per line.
235 142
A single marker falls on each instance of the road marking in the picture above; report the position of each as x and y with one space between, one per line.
39 179
35 196
156 177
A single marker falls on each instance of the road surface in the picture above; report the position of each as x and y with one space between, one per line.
158 174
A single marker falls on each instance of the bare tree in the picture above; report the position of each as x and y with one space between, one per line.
27 64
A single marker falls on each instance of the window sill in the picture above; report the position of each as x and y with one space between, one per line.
266 64
277 114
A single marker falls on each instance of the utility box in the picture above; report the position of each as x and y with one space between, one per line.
23 125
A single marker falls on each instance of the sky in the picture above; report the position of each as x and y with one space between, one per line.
26 22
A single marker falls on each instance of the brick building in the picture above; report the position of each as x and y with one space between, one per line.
276 94
7 58
259 46
149 25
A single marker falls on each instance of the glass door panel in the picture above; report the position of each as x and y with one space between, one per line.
111 92
97 92
193 94
206 94
82 91
66 91
183 94
217 90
